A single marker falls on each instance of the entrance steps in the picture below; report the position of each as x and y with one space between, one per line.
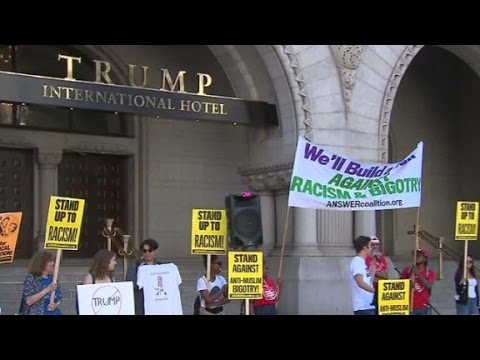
72 272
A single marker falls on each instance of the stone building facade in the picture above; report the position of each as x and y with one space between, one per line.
369 102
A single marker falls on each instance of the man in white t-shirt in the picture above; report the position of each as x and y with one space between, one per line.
361 278
213 294
160 286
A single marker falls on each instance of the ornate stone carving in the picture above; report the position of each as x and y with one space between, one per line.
303 92
269 178
101 148
387 105
49 159
348 58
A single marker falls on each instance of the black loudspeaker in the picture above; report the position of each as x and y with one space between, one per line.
244 220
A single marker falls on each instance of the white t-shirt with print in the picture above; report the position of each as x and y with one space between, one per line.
361 299
215 286
160 289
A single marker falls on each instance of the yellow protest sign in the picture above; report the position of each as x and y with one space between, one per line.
394 297
209 232
466 227
64 223
245 275
9 230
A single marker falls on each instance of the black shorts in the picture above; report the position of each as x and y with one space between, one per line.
215 310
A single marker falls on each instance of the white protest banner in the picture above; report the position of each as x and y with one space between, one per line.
106 299
325 180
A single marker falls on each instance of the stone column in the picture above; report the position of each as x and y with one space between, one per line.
267 203
364 223
305 232
336 233
47 170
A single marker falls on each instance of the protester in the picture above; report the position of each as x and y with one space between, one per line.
148 248
466 289
213 293
104 263
361 278
38 286
422 279
267 305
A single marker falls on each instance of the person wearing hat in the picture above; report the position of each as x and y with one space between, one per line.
379 261
422 281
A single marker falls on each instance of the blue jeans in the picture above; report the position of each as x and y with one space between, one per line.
266 310
422 311
469 308
365 312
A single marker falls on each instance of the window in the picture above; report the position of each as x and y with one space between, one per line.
43 60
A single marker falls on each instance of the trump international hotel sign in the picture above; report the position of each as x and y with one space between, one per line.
169 99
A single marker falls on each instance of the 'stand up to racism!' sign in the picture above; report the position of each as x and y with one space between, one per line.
64 223
325 180
466 227
209 232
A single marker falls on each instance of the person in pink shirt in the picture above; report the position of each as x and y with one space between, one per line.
267 305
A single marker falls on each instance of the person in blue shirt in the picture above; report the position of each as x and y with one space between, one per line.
38 286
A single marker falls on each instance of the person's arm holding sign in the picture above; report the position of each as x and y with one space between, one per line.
428 283
57 302
211 298
32 298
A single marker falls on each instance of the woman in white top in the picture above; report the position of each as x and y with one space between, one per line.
466 298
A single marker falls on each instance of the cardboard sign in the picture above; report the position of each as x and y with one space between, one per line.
394 297
106 299
9 230
209 232
466 227
245 275
64 223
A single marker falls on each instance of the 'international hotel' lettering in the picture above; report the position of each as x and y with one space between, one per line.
138 101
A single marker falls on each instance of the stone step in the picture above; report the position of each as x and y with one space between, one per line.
72 272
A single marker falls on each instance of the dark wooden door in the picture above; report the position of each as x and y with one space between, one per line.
101 181
16 194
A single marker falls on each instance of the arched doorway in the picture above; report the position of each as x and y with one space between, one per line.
170 164
437 103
